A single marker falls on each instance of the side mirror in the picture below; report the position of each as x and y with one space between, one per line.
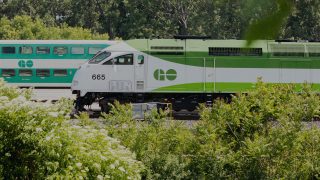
140 59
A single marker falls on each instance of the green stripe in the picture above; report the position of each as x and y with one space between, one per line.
202 59
221 87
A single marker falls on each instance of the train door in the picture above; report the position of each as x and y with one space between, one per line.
295 72
121 73
139 72
209 75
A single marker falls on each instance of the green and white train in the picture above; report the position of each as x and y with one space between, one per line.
186 72
45 63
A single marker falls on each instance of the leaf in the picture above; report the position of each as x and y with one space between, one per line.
269 27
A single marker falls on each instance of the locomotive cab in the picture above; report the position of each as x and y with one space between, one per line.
111 70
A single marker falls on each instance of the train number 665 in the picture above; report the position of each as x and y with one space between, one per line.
98 77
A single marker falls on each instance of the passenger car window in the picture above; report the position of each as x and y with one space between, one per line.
25 72
94 50
43 72
43 50
60 50
60 72
8 73
99 57
121 60
25 50
8 50
77 50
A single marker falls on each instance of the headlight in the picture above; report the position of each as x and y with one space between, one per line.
75 83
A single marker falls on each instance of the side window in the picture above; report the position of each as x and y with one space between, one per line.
94 50
8 50
8 73
124 59
25 72
43 50
25 50
60 50
60 72
121 60
43 72
77 50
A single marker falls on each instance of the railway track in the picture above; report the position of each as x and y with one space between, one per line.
181 115
53 95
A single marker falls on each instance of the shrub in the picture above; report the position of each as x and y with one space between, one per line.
37 141
161 145
264 133
261 134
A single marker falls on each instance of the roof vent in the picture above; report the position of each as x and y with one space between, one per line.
191 37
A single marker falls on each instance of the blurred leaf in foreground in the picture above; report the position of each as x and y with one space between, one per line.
269 27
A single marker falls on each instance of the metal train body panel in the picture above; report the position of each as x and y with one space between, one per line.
199 66
45 63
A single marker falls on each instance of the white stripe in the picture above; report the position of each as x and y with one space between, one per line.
268 75
44 63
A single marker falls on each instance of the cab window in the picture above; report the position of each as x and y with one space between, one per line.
99 57
121 60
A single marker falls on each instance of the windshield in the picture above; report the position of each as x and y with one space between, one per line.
99 57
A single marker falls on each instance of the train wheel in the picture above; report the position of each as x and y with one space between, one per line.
104 105
106 108
79 104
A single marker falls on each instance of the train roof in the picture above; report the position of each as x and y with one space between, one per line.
58 42
191 44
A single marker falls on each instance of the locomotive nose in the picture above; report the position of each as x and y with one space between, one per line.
75 80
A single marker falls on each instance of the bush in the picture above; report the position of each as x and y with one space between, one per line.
161 145
264 133
37 141
261 134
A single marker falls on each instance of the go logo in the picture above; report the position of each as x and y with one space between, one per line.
160 75
25 63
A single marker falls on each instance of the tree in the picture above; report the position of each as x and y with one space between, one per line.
24 27
304 21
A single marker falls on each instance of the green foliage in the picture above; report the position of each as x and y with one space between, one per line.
24 27
10 92
259 135
221 19
38 142
268 133
161 145
264 133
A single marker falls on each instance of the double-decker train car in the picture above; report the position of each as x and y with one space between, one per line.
186 72
45 63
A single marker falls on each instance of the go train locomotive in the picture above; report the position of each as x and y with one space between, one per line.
45 63
186 72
